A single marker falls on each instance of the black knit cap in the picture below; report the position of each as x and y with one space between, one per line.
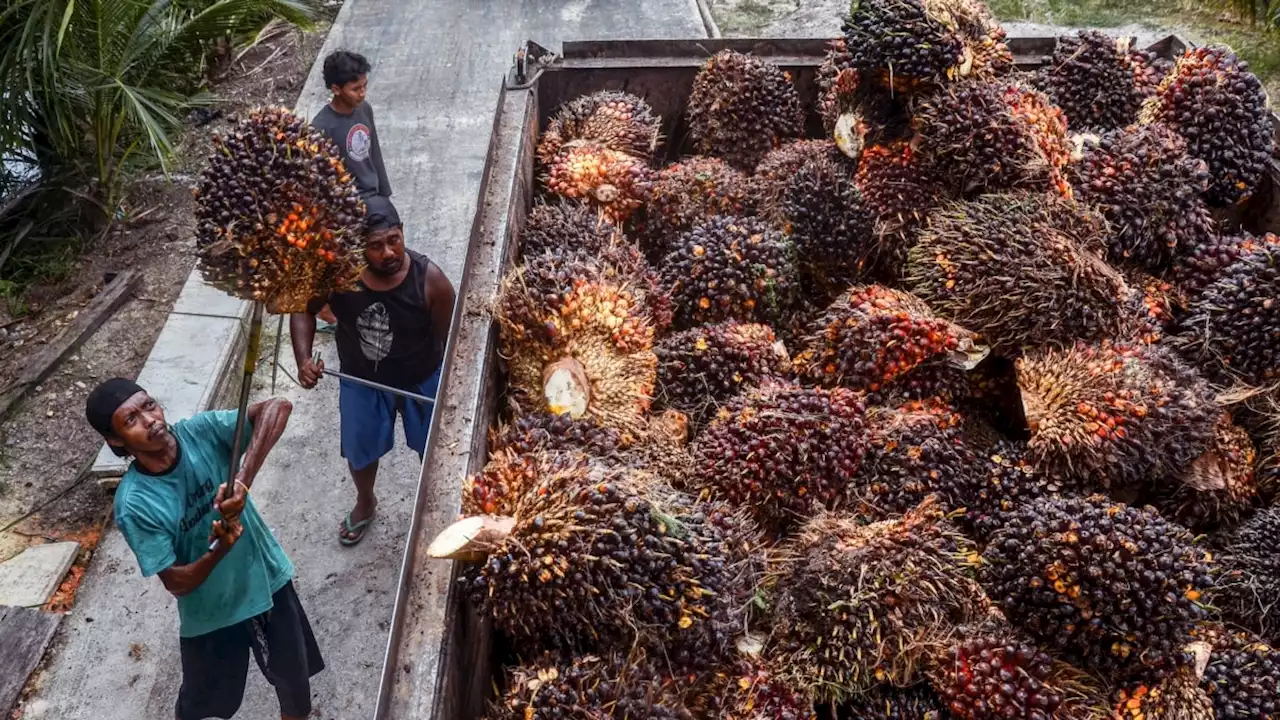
380 214
104 400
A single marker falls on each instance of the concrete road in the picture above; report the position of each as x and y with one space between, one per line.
438 65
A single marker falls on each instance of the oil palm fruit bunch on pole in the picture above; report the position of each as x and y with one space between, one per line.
1021 270
730 268
1142 181
278 217
686 193
867 605
599 557
1179 695
1242 678
1249 582
612 181
742 107
1109 586
873 337
1232 327
1218 105
783 451
567 226
1099 81
1218 488
588 687
614 120
703 367
1115 415
1200 265
885 702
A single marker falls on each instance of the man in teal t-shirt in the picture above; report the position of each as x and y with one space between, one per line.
234 598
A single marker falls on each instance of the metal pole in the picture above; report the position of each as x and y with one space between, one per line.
275 355
377 385
246 384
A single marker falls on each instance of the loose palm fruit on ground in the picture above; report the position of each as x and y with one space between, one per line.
741 107
1218 488
918 702
913 451
684 194
873 336
1097 80
1006 479
1021 270
278 217
1249 581
701 368
1201 265
1115 415
570 225
588 687
1243 678
1232 327
860 605
730 268
1106 585
1142 181
615 120
1218 105
783 451
610 180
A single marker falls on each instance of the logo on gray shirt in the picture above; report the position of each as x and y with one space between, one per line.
359 140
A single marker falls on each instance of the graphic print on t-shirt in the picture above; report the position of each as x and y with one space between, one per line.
358 142
374 326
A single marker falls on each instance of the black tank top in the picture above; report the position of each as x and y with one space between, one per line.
387 336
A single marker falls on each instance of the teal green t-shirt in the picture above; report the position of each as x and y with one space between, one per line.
166 520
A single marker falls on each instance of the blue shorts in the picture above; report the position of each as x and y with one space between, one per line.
368 420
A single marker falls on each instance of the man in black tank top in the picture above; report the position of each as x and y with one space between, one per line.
391 330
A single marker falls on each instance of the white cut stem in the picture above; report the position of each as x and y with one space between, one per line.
471 538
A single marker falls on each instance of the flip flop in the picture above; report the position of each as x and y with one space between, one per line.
358 528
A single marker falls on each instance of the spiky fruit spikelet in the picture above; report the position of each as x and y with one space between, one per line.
1232 328
700 368
1143 183
864 605
1249 583
783 451
913 451
1106 584
615 120
589 687
686 193
1115 415
607 557
277 215
1200 266
1214 101
984 137
873 336
898 189
748 688
918 702
570 225
612 181
1020 270
1218 488
741 107
730 268
1097 80
1243 678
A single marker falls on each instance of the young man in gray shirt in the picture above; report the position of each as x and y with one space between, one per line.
348 121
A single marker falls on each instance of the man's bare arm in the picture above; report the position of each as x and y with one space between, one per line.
440 299
182 580
269 419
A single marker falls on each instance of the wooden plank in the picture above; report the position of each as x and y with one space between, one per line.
85 324
24 635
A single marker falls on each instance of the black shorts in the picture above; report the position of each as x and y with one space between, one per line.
215 665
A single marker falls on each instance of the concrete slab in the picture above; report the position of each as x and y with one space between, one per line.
201 298
24 635
33 576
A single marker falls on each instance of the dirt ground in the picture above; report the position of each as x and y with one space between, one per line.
45 444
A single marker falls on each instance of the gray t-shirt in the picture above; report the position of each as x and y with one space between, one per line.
357 142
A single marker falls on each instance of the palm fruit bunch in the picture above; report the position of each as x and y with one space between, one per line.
1097 80
1155 306
613 181
1249 582
578 338
918 702
783 451
866 605
913 451
747 688
1219 107
1218 488
1115 415
778 166
855 112
1243 678
982 136
1200 265
910 44
571 225
1021 270
1151 193
1006 479
614 120
730 268
588 687
1106 584
742 107
873 337
607 557
509 473
687 192
278 217
898 188
1177 696
704 366
1232 327
532 432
